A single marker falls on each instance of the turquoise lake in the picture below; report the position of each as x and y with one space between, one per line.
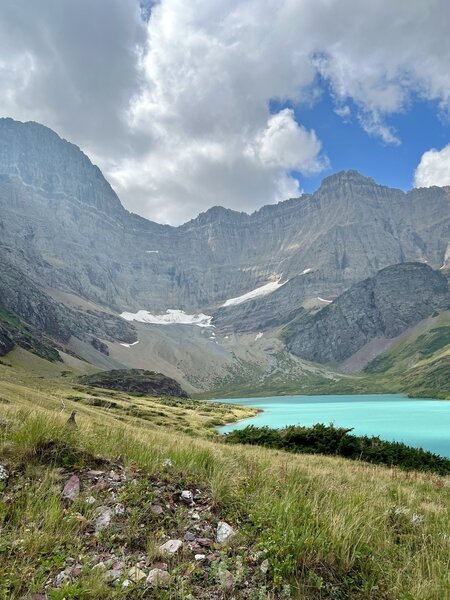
416 422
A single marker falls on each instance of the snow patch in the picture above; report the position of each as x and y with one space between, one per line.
258 336
323 300
264 290
152 252
308 270
171 317
129 345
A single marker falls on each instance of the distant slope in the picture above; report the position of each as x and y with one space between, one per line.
420 364
381 306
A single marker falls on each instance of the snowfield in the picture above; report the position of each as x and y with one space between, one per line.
323 300
264 290
171 317
129 345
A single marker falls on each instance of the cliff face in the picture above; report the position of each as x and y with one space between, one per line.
64 227
385 305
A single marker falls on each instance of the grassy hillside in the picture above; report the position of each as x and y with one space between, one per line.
305 527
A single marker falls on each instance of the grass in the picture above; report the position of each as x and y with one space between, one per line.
330 528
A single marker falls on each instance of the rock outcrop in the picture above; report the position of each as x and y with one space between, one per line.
138 381
381 306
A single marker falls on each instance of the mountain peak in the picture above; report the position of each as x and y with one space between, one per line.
350 177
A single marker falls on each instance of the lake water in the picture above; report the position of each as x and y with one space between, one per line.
416 422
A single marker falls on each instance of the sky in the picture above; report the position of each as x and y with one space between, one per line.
187 105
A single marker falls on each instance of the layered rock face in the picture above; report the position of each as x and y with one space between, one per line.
382 306
63 226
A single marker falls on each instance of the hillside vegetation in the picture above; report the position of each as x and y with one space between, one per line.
302 526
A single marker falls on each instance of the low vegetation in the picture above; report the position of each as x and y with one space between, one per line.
337 441
305 526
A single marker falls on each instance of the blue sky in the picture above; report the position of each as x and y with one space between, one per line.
420 127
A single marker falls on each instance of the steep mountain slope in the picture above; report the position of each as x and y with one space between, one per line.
381 306
64 226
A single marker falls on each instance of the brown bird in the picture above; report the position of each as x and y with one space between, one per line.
71 421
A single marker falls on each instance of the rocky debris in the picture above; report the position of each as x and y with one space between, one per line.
140 381
171 547
71 490
157 577
224 532
3 473
118 555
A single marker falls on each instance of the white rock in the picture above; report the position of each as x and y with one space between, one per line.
200 557
157 577
187 496
264 566
104 518
90 500
3 473
171 547
224 532
126 583
167 463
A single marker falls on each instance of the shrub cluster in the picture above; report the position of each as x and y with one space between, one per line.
323 439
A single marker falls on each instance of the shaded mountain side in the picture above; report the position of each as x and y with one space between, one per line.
138 381
65 228
384 305
23 298
13 331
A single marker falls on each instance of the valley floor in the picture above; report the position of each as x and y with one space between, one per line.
305 527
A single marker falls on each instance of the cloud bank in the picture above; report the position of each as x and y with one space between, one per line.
173 103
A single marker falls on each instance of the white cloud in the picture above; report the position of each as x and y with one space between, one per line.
176 110
433 168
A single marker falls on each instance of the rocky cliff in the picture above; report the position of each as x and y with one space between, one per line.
64 227
382 306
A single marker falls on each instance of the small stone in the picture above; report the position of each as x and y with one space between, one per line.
189 537
104 518
264 566
71 489
187 497
157 577
171 547
205 542
76 571
224 532
126 583
119 509
90 500
113 574
167 463
227 581
200 557
3 473
61 578
100 565
156 509
136 574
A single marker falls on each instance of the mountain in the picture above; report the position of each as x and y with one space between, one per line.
65 227
73 260
383 306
